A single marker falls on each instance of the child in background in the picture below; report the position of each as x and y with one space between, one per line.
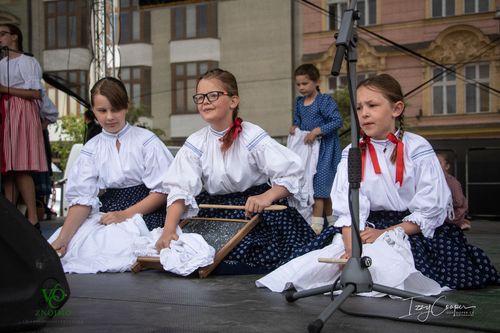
403 203
460 203
21 139
319 114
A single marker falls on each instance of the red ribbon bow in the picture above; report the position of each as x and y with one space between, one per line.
400 157
400 164
237 127
373 156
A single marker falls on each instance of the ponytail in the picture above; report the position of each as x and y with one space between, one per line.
232 133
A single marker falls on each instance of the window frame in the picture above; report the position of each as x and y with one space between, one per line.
144 82
476 7
80 14
81 90
445 5
339 7
365 14
477 88
144 25
178 16
444 83
183 79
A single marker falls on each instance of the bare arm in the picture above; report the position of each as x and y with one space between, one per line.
23 93
257 203
174 213
147 205
369 235
76 216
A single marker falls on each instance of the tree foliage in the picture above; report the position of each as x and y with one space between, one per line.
341 96
72 129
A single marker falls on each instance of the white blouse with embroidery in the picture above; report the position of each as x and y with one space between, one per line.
142 159
253 159
424 192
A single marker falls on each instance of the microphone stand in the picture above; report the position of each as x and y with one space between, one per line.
355 276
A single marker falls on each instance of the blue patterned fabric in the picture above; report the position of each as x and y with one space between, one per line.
119 199
323 113
276 239
447 257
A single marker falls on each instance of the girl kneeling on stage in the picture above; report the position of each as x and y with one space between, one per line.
404 200
119 172
233 162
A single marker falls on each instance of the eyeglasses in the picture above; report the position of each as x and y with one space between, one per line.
212 96
3 33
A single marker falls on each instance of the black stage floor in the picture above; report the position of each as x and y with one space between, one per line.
154 301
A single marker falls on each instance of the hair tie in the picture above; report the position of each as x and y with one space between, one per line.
236 125
400 162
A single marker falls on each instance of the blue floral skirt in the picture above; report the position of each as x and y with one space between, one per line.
276 239
447 257
119 199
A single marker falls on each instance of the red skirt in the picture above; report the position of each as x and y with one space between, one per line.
21 135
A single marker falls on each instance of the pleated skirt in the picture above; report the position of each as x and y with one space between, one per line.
21 139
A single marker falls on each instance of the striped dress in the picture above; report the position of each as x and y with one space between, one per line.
21 137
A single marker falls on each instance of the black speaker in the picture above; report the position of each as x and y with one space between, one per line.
33 287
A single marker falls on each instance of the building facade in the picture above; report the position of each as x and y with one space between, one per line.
457 110
446 54
162 50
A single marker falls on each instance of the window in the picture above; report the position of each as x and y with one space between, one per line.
76 81
337 82
475 6
137 80
194 21
134 24
367 12
340 82
66 22
444 92
477 97
184 77
442 8
336 10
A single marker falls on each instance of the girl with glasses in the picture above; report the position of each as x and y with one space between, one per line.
21 138
235 162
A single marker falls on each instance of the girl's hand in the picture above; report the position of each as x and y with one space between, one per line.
60 246
257 203
165 239
370 235
114 217
311 136
292 130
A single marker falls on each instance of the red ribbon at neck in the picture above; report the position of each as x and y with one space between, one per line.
400 157
237 127
373 156
400 163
